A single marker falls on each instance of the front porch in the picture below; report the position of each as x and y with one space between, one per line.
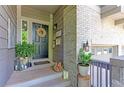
23 22
67 28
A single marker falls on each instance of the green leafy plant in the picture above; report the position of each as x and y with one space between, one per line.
84 57
24 36
24 49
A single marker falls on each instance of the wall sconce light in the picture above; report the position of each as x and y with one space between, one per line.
55 26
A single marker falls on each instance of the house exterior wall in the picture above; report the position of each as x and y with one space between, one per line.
88 24
97 30
69 40
65 18
7 56
37 15
110 34
58 49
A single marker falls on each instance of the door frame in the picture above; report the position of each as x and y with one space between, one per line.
29 23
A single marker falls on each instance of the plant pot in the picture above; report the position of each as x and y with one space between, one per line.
24 60
29 64
83 70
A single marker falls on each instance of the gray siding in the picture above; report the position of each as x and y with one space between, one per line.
70 43
65 18
58 19
7 56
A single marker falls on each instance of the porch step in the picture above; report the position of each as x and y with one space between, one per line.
58 82
38 77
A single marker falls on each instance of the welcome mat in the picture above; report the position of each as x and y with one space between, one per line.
41 62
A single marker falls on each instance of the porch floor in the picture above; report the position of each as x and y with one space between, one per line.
37 78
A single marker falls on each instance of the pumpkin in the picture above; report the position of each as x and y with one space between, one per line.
58 67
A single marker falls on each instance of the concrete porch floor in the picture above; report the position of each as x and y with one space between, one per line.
44 77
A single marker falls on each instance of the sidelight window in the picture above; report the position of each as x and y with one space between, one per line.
24 32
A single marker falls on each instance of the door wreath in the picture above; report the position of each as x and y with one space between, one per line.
41 32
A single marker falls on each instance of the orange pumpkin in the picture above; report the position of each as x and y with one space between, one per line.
58 67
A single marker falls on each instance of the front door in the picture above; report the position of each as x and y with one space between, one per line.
41 42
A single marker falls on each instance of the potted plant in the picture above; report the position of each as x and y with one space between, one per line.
24 51
84 60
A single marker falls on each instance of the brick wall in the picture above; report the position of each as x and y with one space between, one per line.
110 34
7 56
97 30
88 24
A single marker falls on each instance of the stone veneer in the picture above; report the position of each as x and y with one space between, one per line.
70 43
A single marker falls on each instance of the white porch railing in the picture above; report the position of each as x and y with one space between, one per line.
100 73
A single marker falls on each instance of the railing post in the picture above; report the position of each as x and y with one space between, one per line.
110 75
106 71
92 74
99 73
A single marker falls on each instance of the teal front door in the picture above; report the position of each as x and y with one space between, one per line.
41 43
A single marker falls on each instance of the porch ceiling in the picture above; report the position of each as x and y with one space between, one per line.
114 12
47 8
117 16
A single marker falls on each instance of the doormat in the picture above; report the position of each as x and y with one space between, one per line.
41 62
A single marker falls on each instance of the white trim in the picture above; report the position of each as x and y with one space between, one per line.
9 45
11 34
29 29
35 20
18 23
29 23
